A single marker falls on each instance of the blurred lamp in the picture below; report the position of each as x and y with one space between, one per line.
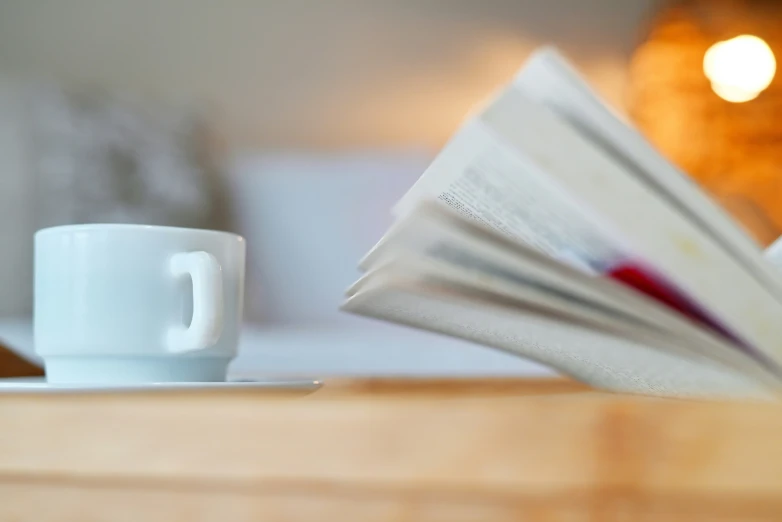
702 88
740 68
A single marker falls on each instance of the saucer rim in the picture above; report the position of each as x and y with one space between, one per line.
39 384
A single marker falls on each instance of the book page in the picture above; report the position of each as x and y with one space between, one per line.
595 358
609 219
432 232
527 295
483 178
550 80
656 233
492 186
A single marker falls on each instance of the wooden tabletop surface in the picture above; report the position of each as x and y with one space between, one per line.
383 450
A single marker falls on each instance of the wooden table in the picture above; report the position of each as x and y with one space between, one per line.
371 451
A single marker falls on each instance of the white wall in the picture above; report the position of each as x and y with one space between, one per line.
316 72
16 212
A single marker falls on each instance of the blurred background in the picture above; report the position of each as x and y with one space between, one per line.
299 123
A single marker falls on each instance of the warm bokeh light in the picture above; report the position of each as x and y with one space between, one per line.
739 68
733 94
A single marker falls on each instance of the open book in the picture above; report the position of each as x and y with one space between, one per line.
548 227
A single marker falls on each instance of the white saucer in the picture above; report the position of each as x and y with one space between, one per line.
39 385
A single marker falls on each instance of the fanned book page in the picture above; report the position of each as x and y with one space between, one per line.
547 210
470 254
594 357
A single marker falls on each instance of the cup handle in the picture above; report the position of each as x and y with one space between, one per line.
207 322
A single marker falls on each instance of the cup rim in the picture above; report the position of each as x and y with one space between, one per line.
105 227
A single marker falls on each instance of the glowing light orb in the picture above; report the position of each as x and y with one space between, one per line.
740 68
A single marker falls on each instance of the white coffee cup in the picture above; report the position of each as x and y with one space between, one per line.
137 303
